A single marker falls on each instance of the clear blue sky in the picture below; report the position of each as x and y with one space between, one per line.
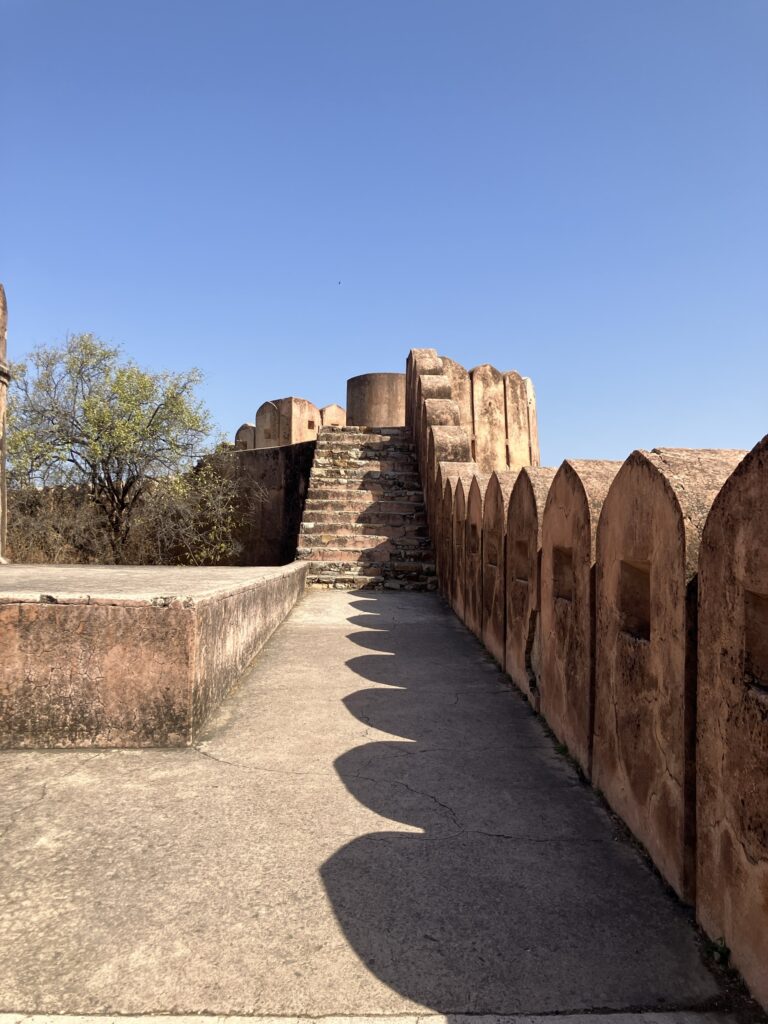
576 189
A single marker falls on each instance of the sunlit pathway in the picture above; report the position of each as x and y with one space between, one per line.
374 824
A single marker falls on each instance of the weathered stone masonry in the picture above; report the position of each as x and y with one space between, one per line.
628 602
635 620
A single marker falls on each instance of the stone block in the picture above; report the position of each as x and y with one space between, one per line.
494 570
732 721
115 656
525 515
567 666
647 558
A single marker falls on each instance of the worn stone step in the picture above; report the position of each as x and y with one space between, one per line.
332 516
392 525
407 547
364 503
370 468
332 455
362 436
372 583
349 528
363 466
365 443
343 496
398 559
328 572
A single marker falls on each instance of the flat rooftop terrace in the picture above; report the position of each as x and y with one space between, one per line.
124 656
108 584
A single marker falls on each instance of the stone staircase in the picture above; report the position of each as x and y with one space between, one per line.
364 525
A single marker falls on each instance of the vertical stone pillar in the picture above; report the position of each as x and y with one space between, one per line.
4 379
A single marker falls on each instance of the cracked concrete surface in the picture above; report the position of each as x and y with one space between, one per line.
374 824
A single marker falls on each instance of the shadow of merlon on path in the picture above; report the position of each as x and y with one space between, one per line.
517 896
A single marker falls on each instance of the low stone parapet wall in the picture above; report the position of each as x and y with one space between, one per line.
118 656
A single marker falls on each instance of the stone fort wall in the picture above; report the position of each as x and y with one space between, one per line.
628 602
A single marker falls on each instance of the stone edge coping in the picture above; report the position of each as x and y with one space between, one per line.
672 1017
153 597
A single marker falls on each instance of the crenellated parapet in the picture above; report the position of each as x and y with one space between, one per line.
628 601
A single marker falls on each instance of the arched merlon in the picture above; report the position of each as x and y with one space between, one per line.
459 560
419 361
333 415
521 423
461 390
376 400
473 547
437 412
445 444
525 514
286 421
448 473
732 717
567 667
489 418
495 506
434 388
647 555
245 437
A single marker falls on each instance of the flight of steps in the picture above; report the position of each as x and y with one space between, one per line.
364 524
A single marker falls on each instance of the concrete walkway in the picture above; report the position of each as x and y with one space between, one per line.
376 824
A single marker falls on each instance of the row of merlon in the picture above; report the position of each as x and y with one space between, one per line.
628 601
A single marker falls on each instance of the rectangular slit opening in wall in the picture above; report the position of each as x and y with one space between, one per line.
756 640
520 561
474 539
310 425
562 573
635 599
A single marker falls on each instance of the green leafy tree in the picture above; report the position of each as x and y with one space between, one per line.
82 417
